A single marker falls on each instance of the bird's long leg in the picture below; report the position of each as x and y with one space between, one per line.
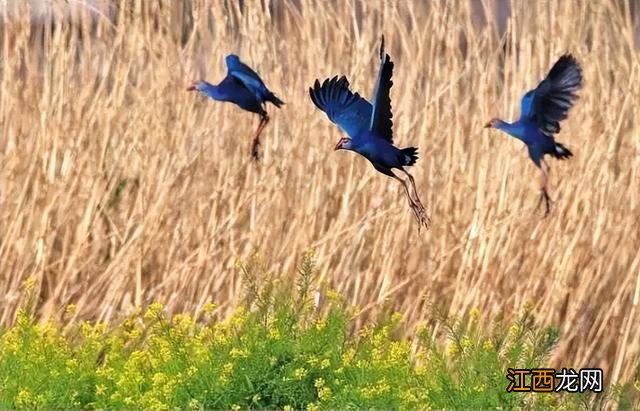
544 194
411 202
417 208
256 139
424 217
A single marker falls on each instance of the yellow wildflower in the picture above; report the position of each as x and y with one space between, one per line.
194 404
333 296
321 323
28 284
299 373
376 355
348 356
465 343
158 378
182 324
100 389
381 336
354 312
71 309
238 353
324 393
287 408
488 345
153 311
365 332
105 372
208 308
383 386
238 318
528 306
452 348
274 334
312 407
25 399
313 361
475 314
318 383
396 317
398 351
325 363
134 333
71 364
236 407
227 368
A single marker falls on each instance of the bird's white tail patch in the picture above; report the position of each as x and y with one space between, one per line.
560 150
407 159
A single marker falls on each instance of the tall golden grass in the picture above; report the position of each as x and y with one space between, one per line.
118 187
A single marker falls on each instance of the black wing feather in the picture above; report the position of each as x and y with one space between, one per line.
381 118
549 103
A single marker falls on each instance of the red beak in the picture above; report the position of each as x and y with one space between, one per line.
488 125
191 88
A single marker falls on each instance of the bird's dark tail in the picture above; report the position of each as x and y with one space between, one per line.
275 100
561 152
410 155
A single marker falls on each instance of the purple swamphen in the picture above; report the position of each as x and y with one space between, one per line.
243 87
369 127
541 111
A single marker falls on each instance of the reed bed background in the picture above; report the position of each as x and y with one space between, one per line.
118 187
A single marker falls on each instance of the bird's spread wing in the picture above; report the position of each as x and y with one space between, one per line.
549 103
348 110
381 123
244 74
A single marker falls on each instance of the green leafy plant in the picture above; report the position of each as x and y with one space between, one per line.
277 351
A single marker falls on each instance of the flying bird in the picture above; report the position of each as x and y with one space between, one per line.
369 127
541 111
243 87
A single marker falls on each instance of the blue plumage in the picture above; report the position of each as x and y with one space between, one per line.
348 110
243 87
369 126
541 111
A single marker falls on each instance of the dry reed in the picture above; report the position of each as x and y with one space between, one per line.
118 187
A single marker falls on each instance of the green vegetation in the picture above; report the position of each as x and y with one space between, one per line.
277 351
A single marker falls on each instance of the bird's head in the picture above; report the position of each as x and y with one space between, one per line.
493 123
343 144
196 85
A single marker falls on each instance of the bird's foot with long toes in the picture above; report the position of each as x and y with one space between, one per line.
421 215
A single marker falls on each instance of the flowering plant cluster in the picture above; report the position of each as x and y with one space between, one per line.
280 350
